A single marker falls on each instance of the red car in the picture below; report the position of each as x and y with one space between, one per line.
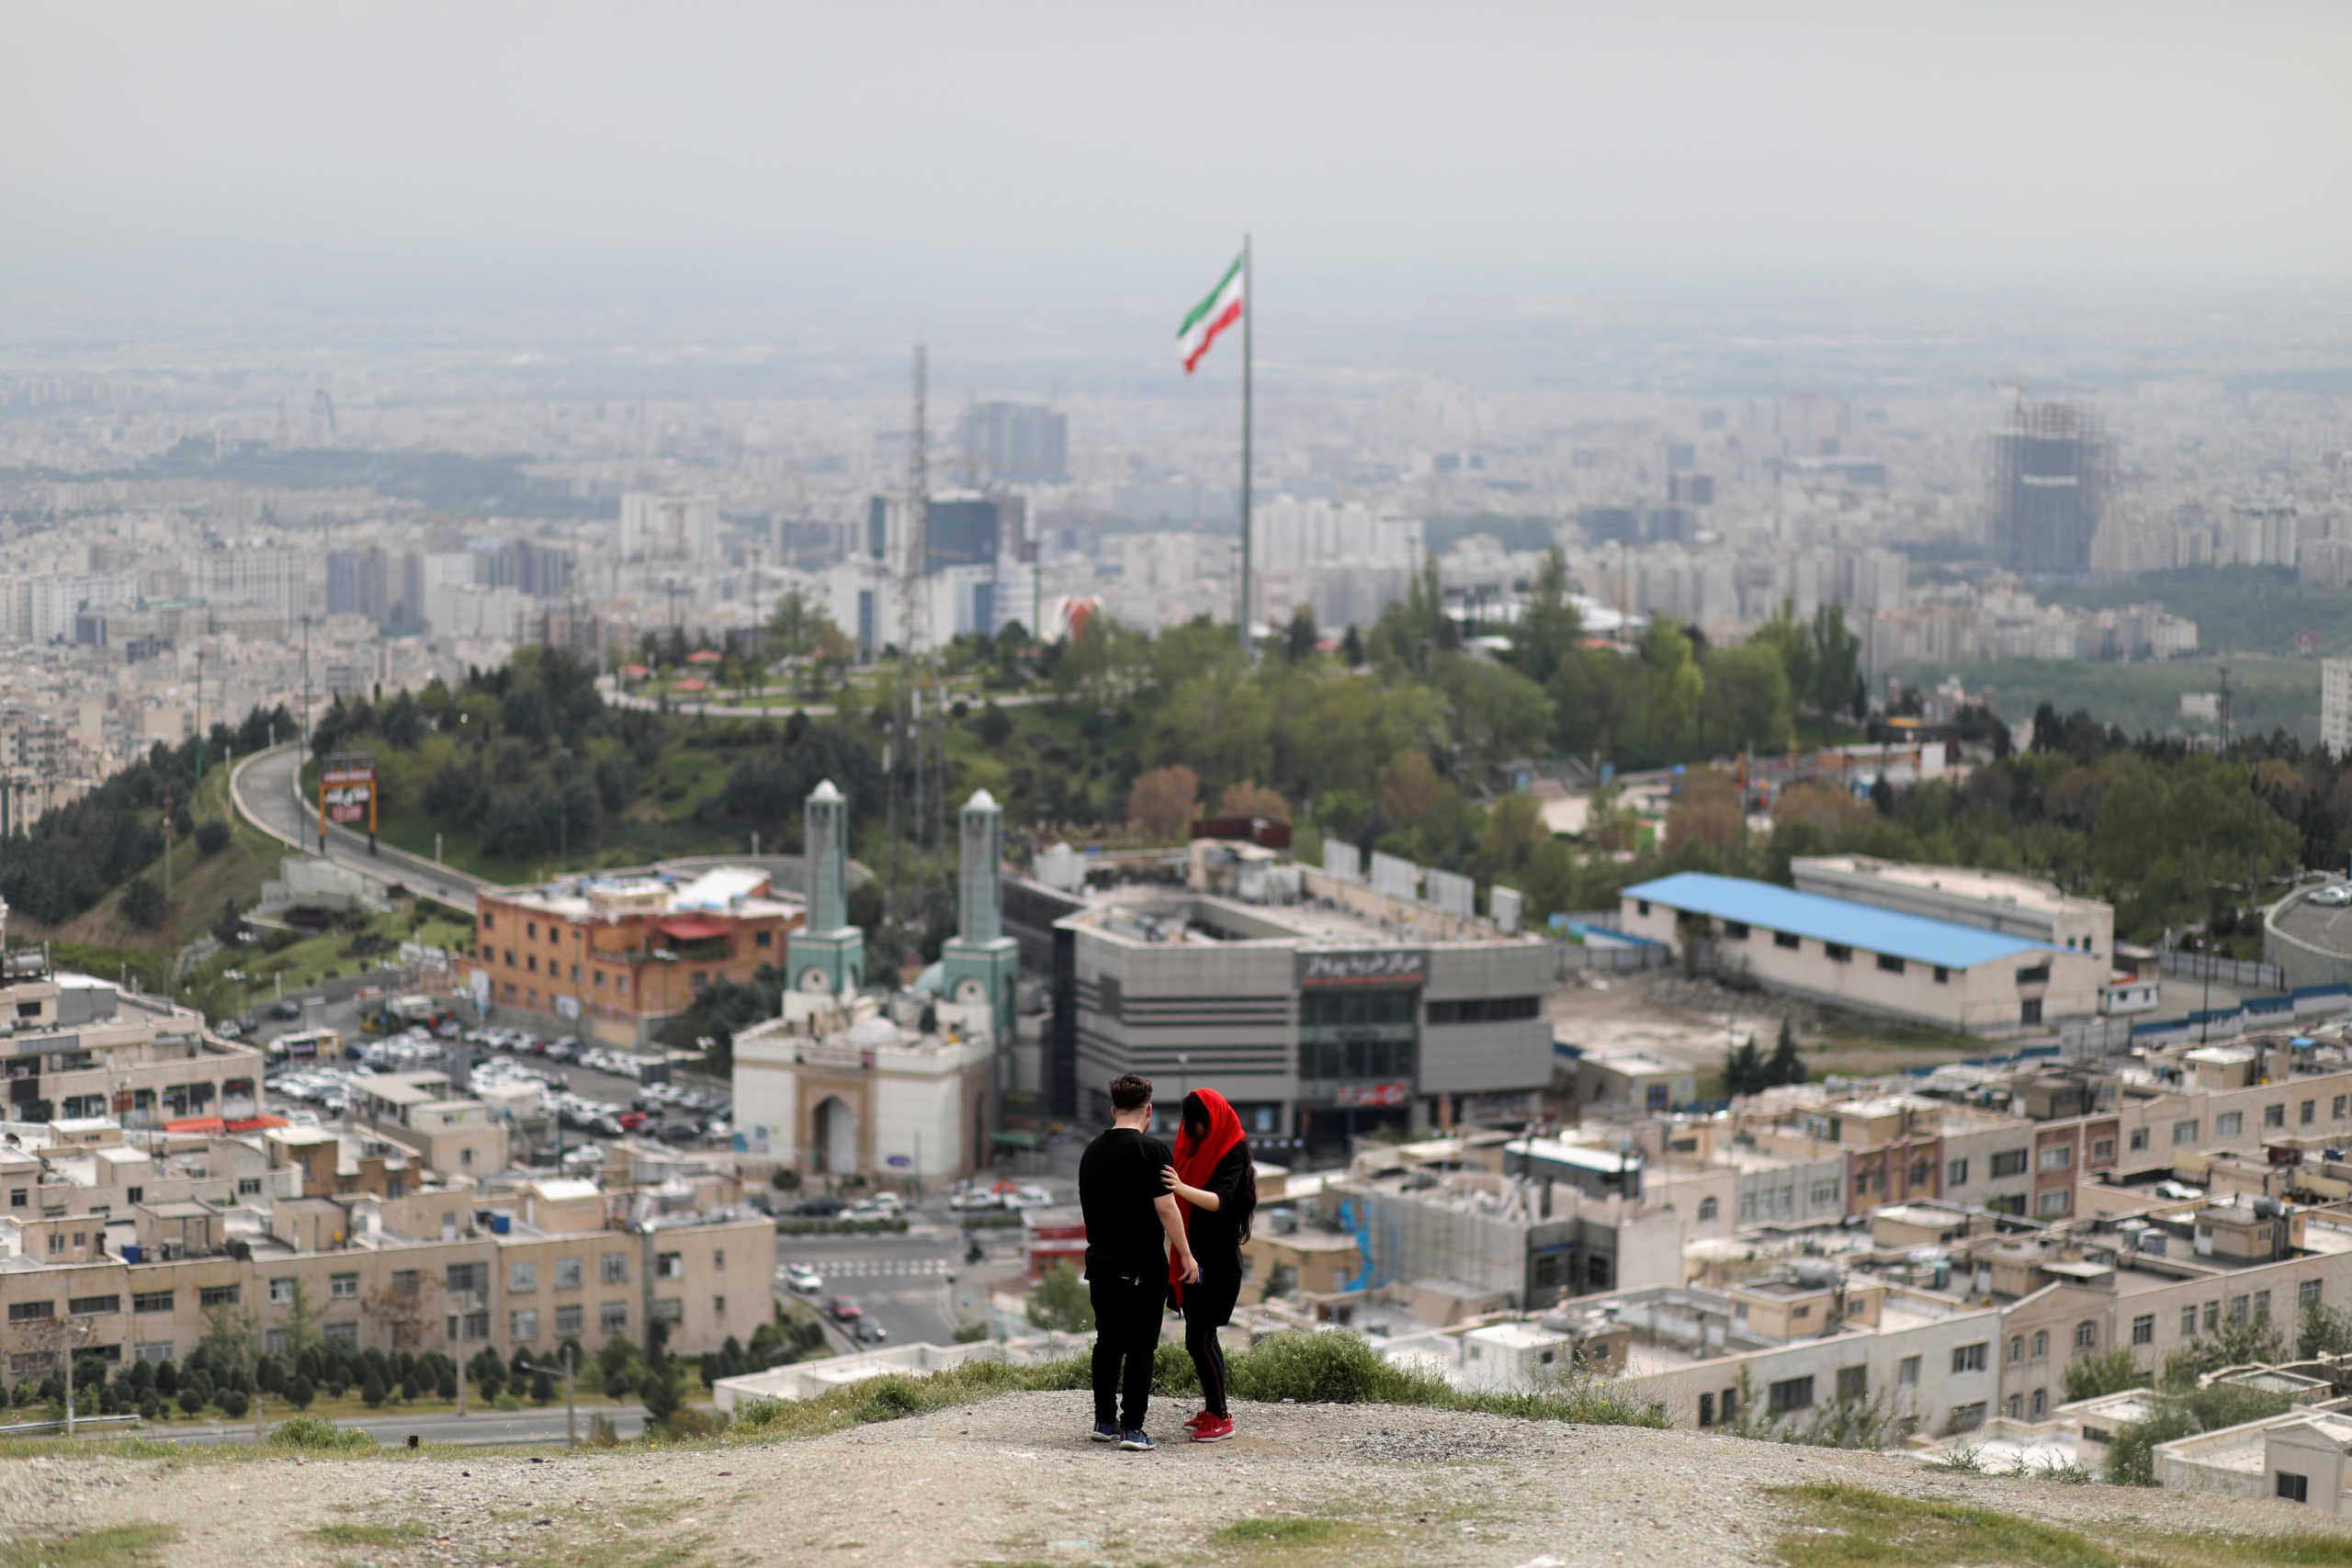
844 1309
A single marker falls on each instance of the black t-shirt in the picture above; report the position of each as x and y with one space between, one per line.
1118 1185
1216 1236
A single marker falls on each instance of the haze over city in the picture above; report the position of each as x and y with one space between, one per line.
1664 693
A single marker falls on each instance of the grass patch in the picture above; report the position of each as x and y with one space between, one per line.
1276 1533
1312 1369
370 1535
116 1546
1853 1527
312 1435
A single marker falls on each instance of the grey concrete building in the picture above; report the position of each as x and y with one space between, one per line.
1318 1021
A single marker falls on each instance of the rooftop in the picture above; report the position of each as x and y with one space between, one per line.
1864 926
1995 887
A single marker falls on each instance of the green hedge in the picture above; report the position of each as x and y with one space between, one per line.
840 1228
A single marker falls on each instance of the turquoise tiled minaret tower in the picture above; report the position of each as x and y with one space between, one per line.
979 962
826 954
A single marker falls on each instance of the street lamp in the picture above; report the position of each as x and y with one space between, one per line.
570 1409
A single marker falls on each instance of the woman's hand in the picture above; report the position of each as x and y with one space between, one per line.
1170 1181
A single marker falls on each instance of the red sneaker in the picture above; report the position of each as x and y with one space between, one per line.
1215 1429
1195 1419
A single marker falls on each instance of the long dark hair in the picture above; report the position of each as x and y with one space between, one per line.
1244 1197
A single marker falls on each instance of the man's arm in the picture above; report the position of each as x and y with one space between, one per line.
1174 1224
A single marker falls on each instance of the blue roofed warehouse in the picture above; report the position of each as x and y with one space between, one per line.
1866 958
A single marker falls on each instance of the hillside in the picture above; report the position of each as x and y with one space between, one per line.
1013 1481
199 884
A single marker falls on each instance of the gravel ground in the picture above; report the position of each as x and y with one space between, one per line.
1013 1481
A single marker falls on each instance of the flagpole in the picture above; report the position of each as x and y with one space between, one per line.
1249 317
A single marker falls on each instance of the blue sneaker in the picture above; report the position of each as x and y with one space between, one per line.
1135 1441
1106 1431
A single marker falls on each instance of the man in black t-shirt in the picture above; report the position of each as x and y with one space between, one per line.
1130 1221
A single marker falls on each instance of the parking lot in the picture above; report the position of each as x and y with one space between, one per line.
594 1094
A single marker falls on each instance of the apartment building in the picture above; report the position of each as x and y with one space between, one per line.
617 956
445 1270
1986 1330
77 1047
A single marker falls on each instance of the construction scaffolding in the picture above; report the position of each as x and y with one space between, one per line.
2051 474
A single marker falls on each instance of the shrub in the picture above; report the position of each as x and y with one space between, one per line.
312 1435
299 1394
191 1399
761 1414
373 1390
2110 1371
212 836
234 1402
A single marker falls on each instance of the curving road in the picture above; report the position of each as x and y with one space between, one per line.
264 787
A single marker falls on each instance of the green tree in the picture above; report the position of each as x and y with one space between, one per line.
1549 628
1675 684
1300 638
1792 643
2107 1372
1837 660
298 1393
142 902
1060 1301
1785 1066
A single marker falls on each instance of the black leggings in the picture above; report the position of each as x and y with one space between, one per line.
1208 1306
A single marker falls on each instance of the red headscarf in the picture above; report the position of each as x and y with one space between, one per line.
1196 1162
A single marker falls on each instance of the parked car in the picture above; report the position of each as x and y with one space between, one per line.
868 1332
286 1007
2334 896
801 1276
888 1202
844 1309
973 1198
823 1206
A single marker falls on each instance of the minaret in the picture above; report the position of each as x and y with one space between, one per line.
826 826
826 954
980 890
980 962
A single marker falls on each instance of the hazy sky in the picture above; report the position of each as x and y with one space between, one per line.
971 156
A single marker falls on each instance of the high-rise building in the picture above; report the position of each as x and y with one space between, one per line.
2048 481
668 526
2336 704
360 583
1016 443
275 575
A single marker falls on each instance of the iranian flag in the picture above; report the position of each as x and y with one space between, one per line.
1211 316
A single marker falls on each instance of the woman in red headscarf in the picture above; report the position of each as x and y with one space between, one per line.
1216 1189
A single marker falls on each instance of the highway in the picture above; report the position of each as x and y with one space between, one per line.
263 785
485 1428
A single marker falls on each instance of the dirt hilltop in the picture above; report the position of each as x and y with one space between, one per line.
1013 1481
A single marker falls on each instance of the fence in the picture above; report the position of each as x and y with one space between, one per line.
1587 946
2254 1012
2230 971
1596 958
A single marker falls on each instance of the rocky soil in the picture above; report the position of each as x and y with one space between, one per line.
1013 1481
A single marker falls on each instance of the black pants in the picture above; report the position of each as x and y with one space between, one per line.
1208 1306
1126 1337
